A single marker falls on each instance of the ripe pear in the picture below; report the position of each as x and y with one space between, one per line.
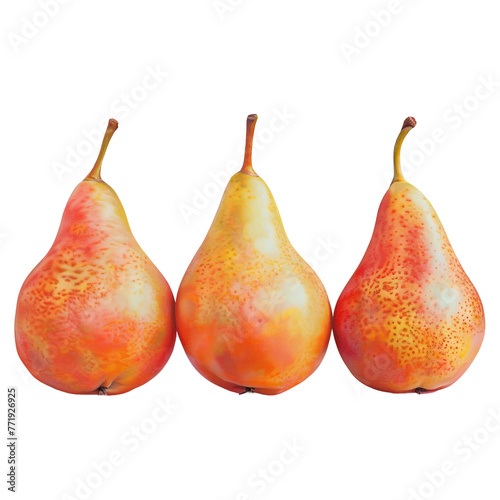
409 319
95 316
251 314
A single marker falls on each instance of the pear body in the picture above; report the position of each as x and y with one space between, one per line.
409 319
95 314
251 314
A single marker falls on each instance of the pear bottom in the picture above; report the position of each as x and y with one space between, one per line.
239 345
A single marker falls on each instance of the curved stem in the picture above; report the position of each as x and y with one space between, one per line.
95 173
408 124
247 161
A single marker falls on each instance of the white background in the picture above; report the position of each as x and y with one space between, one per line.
328 165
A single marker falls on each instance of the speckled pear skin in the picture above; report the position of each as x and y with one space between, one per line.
409 319
251 314
95 315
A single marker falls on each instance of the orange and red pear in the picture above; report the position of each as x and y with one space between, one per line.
251 314
95 316
409 319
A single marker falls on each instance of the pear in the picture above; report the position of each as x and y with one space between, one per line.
251 314
409 319
95 316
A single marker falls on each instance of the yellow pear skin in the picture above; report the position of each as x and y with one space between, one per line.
251 314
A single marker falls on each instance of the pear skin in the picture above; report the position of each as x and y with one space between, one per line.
251 314
409 319
95 316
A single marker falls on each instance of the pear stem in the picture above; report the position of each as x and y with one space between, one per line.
247 161
408 124
95 173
